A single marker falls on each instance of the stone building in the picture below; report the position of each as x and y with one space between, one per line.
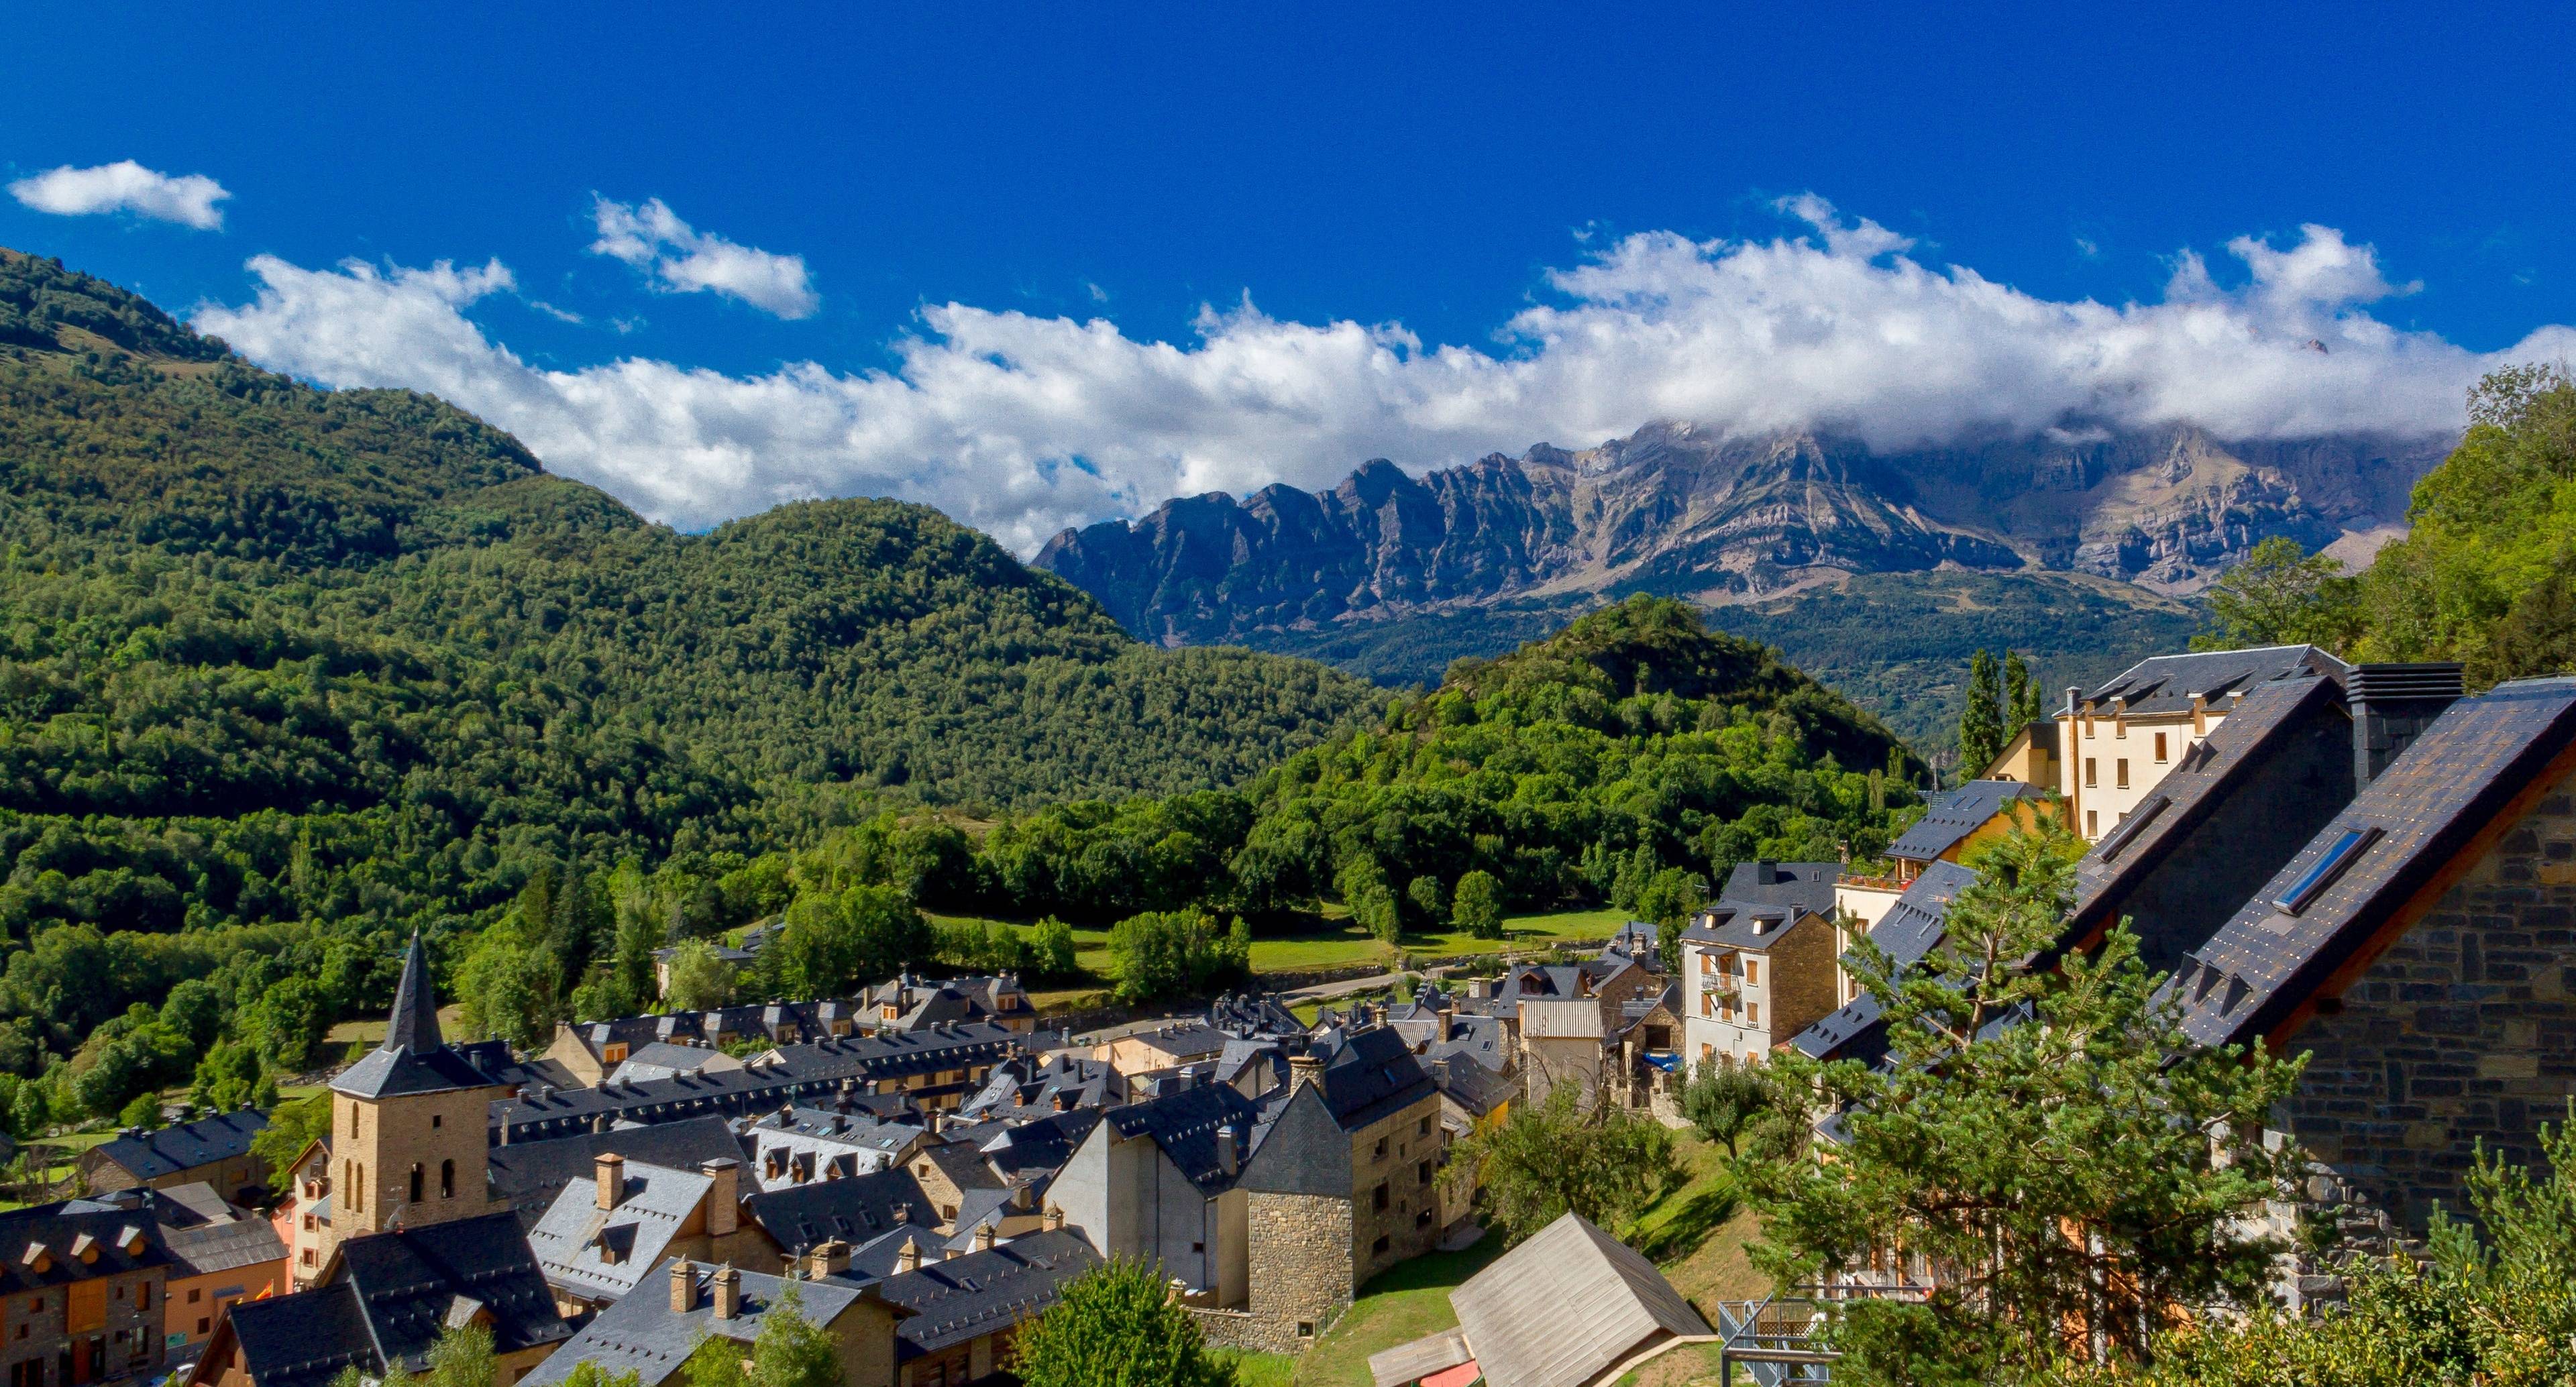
1344 1184
963 1312
381 1304
683 1304
2421 950
82 1294
1753 977
1158 1180
408 1130
210 1150
603 1234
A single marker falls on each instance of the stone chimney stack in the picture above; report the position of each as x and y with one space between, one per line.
826 1257
1305 1066
612 1179
1227 1157
727 1297
983 1237
684 1287
908 1257
724 1199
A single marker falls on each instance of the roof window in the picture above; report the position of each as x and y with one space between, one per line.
2312 883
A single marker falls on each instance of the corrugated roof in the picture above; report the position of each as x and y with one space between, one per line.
2423 810
1576 1018
1566 1306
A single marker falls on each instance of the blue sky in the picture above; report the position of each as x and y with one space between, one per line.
1352 171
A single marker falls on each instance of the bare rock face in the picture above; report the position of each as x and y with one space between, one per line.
1685 510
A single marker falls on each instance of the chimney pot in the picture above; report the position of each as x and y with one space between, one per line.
728 1292
612 1179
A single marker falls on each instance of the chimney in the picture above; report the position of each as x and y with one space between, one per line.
727 1297
1305 1066
2072 694
984 1237
724 1200
1766 873
612 1179
1227 1158
908 1257
684 1287
2391 707
825 1258
1055 1218
1189 1077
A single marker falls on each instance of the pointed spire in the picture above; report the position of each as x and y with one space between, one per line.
414 1026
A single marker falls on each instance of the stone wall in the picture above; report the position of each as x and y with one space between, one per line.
2462 1032
1300 1248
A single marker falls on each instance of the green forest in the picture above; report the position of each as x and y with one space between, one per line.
288 673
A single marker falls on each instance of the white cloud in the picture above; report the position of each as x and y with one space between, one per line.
125 186
681 260
1021 424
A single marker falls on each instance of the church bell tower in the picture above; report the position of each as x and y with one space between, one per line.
409 1122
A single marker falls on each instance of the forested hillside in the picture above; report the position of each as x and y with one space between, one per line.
286 672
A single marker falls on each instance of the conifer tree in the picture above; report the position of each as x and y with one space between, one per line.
1981 725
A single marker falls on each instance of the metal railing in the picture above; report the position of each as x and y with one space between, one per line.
1782 1341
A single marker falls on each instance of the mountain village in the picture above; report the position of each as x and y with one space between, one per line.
2357 862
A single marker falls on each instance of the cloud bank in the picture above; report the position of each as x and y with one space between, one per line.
125 186
682 260
1021 425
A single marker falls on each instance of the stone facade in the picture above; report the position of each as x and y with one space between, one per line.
2463 1032
1303 1272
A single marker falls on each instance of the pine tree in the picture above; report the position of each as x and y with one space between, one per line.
1981 726
1114 1327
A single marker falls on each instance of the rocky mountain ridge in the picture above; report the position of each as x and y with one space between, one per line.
1694 512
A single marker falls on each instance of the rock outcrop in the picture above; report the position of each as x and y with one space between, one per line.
1684 510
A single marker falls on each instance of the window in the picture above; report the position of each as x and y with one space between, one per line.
1753 1013
143 1296
2313 882
1423 1127
195 1294
1305 1329
1379 1247
415 1182
1381 1148
2160 747
2120 772
308 1256
1377 1197
1423 1172
434 1121
2090 778
1752 971
447 1179
2092 820
204 1325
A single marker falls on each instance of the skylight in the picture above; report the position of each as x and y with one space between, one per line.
2312 883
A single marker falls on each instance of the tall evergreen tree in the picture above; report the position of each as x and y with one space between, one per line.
2021 694
1981 723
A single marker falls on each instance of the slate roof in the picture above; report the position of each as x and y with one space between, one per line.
601 1254
960 1162
1184 1043
204 1233
1185 1124
1910 930
1369 1074
812 1070
857 1210
1954 814
412 1058
641 1334
529 1174
1471 1085
1727 925
1248 1014
1478 1038
1805 885
1027 1086
2458 777
206 1141
58 1226
1038 1147
967 1297
2163 685
660 1059
391 1295
1565 1306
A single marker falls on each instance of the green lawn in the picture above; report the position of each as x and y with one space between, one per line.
1329 941
1695 1235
